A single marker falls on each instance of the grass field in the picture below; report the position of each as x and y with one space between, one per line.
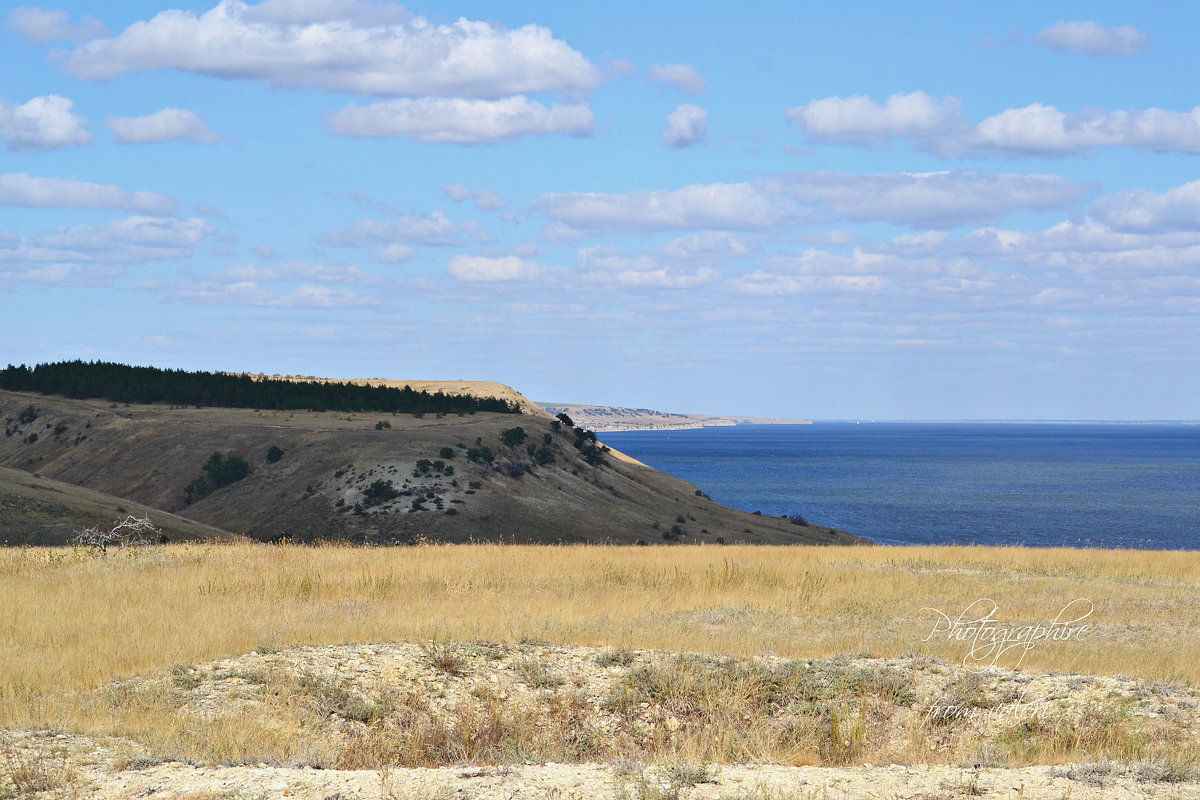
73 622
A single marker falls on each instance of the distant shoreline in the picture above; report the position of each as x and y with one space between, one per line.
609 419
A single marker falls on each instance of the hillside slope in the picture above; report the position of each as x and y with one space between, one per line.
41 511
321 487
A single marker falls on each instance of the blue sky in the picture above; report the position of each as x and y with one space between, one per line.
832 211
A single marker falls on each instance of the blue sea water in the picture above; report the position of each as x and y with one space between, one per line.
1035 484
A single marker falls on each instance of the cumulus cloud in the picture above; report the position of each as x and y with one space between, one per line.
708 247
460 121
1041 129
427 229
120 241
1089 37
925 243
132 239
484 199
896 276
1064 240
717 206
40 26
862 120
457 192
366 48
681 76
43 123
686 125
1142 211
489 201
491 269
397 253
169 124
935 200
19 189
1037 129
607 264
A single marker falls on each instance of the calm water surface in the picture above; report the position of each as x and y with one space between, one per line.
1048 484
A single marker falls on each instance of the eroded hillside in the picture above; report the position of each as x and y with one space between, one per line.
371 477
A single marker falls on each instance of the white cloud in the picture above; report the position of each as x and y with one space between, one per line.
40 26
1142 211
295 271
206 210
708 247
621 68
397 254
428 229
686 125
43 123
489 269
310 11
75 275
1040 129
342 47
489 201
926 243
831 238
939 127
681 76
167 125
484 200
934 200
607 264
717 206
457 192
19 189
770 285
665 278
1090 37
120 241
938 200
1090 250
249 293
459 121
132 239
308 296
895 276
861 120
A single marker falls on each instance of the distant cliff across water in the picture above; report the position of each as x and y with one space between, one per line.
612 418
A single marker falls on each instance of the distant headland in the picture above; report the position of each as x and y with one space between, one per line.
606 419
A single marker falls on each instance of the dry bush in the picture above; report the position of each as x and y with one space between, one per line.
31 773
129 532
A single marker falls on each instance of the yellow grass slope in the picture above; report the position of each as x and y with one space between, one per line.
73 621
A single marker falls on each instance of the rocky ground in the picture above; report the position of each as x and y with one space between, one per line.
533 720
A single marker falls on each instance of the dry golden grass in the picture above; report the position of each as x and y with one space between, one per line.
73 622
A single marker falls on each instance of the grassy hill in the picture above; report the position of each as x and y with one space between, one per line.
38 510
370 478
